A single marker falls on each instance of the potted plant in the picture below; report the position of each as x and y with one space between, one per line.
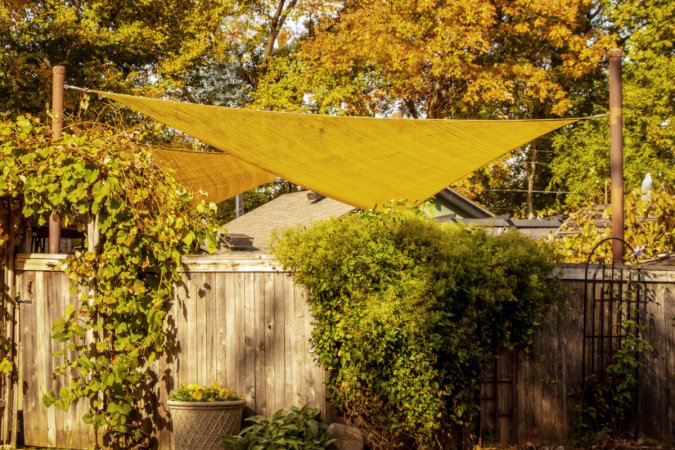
202 414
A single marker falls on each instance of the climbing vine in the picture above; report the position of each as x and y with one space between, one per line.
145 222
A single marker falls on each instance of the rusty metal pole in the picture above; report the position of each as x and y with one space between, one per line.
616 152
58 80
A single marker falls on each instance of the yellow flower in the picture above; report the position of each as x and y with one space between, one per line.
197 393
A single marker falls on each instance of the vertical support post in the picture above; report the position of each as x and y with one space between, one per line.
616 152
531 175
93 236
239 205
58 80
10 417
28 240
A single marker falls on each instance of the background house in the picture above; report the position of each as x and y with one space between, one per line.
254 230
284 212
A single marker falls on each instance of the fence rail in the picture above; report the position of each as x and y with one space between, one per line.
244 323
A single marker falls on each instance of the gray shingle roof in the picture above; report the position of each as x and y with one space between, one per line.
286 211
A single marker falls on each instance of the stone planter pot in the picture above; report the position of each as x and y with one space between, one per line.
199 425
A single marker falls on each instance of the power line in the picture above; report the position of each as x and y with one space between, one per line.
538 192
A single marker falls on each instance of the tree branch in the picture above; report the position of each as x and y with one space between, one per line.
188 95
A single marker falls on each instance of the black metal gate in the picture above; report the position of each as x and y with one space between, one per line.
613 301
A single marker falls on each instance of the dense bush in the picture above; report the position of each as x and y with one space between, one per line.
298 428
408 311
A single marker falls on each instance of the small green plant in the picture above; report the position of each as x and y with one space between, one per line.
609 408
299 428
198 393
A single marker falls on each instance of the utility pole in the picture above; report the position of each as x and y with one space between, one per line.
616 152
531 174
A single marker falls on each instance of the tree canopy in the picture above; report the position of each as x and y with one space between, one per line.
498 59
646 30
449 59
425 59
116 45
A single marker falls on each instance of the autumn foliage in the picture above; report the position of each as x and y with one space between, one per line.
453 59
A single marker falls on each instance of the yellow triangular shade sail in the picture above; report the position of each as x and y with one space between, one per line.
361 161
219 175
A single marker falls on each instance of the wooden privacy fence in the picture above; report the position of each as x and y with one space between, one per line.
244 323
535 398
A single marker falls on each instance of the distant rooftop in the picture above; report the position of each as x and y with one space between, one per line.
286 211
254 230
496 225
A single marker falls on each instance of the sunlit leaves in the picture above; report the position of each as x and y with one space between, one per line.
649 225
114 45
125 285
582 163
407 311
455 59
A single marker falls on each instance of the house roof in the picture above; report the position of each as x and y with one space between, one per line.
286 211
305 207
496 225
462 206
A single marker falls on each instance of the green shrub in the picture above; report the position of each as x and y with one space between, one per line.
408 311
649 225
296 429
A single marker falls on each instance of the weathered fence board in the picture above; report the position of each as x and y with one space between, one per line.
548 382
657 397
245 329
241 329
245 324
45 295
